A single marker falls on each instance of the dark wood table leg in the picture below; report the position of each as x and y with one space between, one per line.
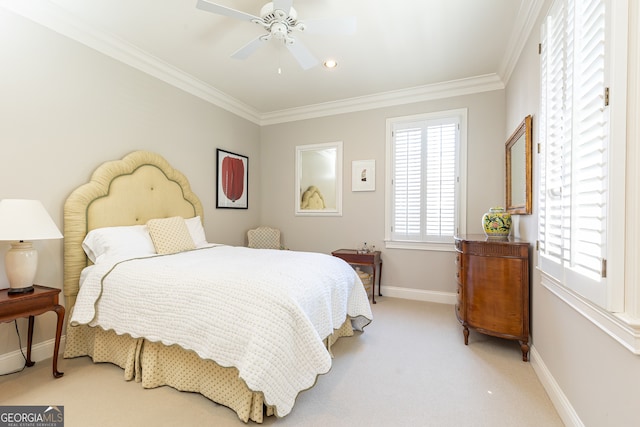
373 284
29 362
380 281
56 349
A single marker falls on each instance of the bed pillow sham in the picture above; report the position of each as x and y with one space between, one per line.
170 235
197 231
123 242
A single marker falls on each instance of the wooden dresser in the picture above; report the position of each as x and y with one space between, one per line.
493 287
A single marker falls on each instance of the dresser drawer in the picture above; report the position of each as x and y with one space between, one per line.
459 303
459 268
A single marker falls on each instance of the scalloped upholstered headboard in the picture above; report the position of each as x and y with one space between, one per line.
131 191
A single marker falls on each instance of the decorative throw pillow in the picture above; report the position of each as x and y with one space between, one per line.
170 235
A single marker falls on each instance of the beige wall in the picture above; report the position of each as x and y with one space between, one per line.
599 377
363 137
65 108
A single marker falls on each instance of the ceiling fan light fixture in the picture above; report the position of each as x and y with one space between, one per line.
330 64
279 19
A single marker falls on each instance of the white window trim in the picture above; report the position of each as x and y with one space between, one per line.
632 200
462 184
617 82
622 327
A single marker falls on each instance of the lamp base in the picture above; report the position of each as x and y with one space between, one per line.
21 262
20 290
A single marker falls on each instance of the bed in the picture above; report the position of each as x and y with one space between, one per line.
251 328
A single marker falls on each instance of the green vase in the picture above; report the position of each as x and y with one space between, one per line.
496 222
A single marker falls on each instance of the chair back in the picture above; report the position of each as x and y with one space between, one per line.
264 238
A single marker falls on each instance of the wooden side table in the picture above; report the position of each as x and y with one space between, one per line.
32 304
370 259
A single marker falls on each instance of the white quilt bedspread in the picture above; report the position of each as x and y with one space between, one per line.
265 312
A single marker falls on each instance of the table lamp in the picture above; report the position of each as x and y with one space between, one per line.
21 221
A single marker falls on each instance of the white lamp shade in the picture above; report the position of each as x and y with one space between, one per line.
22 220
26 220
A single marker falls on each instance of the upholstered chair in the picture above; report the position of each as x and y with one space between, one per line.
264 238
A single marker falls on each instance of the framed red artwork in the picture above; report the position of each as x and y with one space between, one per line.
232 180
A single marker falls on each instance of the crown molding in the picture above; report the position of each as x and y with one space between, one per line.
485 83
57 19
524 25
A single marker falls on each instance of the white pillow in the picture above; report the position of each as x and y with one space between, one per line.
197 232
122 242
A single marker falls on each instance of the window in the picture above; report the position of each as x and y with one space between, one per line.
577 147
424 158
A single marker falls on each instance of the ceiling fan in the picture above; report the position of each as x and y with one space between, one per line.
280 19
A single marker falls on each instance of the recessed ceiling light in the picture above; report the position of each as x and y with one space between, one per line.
330 63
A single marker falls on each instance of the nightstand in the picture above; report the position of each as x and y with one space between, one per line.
370 259
31 304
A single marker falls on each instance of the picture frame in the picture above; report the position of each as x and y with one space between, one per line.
232 180
363 175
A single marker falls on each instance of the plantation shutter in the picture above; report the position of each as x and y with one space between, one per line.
424 180
574 146
407 180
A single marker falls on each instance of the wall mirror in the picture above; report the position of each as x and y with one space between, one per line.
518 162
319 179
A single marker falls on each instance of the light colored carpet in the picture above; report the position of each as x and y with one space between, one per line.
409 368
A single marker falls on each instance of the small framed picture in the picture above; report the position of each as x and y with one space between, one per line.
232 180
363 175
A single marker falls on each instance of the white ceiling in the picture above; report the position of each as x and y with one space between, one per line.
401 47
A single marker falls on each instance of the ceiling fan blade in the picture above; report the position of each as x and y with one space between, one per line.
245 51
284 5
226 11
302 55
344 26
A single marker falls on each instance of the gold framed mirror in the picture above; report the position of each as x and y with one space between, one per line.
518 169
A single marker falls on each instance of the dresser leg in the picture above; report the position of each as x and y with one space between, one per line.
524 346
465 332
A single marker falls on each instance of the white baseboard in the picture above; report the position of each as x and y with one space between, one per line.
10 362
568 415
419 295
